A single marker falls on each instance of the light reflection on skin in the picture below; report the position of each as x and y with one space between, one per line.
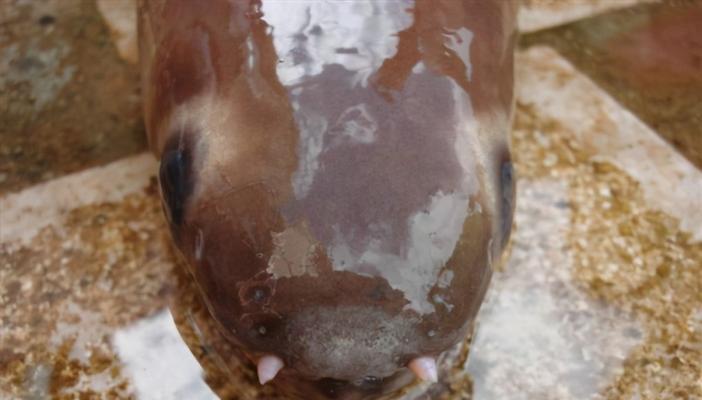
306 37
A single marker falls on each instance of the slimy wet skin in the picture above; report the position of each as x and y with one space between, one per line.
336 175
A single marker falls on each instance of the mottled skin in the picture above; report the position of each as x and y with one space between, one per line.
338 189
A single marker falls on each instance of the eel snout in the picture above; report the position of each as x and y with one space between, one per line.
336 175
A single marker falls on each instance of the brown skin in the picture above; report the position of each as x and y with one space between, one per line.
320 217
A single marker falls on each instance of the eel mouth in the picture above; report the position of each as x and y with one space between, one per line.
351 344
424 368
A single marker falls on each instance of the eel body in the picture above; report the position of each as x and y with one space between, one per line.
336 175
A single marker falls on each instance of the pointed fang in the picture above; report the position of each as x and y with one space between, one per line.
424 368
268 367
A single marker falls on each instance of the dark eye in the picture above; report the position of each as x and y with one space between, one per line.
176 178
507 199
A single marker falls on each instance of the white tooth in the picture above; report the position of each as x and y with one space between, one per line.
424 368
268 367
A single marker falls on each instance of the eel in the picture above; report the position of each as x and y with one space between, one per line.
336 176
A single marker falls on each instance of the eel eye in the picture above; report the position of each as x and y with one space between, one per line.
175 175
506 199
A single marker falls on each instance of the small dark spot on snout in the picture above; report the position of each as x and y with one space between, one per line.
332 388
176 175
259 294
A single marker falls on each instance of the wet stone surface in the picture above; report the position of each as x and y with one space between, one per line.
536 15
649 57
67 101
64 294
612 289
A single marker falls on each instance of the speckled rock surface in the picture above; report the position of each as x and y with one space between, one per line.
68 100
600 297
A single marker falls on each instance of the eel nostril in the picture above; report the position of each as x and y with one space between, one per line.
262 325
259 294
262 330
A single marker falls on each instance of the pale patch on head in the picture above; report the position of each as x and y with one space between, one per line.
294 253
355 125
315 127
209 115
434 234
468 144
307 40
459 41
434 231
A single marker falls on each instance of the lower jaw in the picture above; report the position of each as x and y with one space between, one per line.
232 375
